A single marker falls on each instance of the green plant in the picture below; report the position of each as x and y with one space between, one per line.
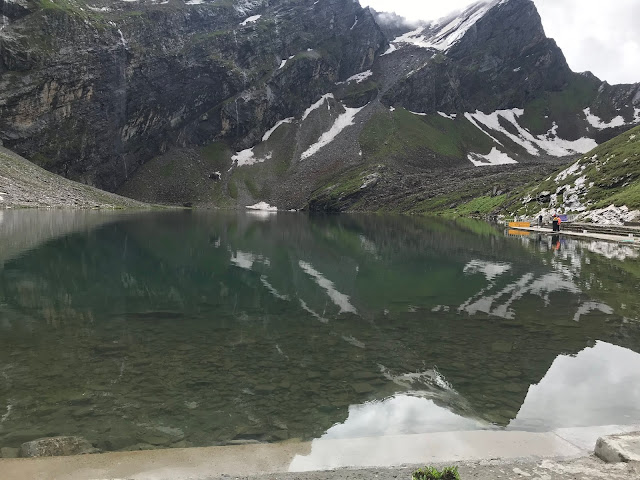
432 473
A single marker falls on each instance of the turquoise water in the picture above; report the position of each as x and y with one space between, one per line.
191 329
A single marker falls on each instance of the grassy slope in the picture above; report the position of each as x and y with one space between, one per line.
23 184
612 168
401 134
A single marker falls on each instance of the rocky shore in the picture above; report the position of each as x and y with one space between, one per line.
25 185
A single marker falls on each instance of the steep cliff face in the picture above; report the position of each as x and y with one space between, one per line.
297 103
92 90
502 60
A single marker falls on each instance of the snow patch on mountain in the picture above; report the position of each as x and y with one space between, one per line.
549 143
243 7
343 121
272 130
596 122
495 157
252 19
316 105
358 77
392 48
262 206
247 157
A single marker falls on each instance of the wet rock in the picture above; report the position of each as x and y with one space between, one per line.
140 446
501 346
264 388
56 447
8 452
180 444
363 388
155 438
244 442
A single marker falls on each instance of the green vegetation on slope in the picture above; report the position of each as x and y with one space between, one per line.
461 203
400 134
561 106
609 174
183 176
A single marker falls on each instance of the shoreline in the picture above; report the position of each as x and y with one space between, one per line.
338 458
626 240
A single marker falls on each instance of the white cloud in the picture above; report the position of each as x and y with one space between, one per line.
598 36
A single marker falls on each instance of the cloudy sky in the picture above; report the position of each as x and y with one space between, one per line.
603 37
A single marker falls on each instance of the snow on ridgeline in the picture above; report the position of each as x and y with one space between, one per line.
444 33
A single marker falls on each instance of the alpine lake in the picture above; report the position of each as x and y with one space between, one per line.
180 329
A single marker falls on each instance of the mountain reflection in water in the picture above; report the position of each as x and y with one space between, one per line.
188 329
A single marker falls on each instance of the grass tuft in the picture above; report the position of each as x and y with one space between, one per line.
432 473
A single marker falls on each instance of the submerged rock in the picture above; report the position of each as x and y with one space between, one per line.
56 447
8 452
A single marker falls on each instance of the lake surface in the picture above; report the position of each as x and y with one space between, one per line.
190 329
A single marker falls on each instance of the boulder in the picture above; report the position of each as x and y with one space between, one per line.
619 448
56 447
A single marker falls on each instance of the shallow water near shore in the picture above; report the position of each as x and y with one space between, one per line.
183 329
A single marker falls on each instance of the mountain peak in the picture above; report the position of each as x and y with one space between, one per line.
447 31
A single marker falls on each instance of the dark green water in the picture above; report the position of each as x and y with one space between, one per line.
190 329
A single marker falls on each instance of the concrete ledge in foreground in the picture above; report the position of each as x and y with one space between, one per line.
319 455
619 448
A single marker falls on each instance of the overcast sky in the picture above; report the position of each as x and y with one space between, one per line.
600 36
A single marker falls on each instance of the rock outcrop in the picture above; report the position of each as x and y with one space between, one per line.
91 91
56 447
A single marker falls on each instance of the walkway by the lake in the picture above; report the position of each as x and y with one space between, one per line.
563 451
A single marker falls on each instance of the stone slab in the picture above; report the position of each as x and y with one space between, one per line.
431 448
619 448
586 438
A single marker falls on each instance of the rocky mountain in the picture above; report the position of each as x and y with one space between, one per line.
296 103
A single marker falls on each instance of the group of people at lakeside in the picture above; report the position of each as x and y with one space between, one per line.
556 221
